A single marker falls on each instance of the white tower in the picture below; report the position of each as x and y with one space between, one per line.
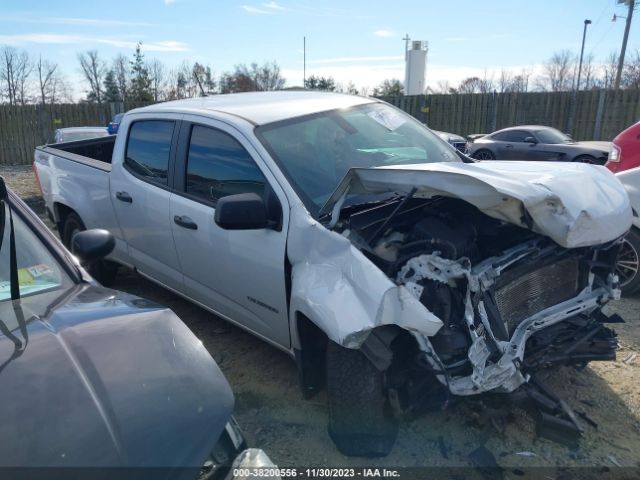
415 66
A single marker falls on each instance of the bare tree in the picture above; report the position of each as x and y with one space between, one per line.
558 72
469 85
15 69
252 78
203 79
120 67
505 81
445 87
158 76
94 70
631 72
588 76
609 70
46 78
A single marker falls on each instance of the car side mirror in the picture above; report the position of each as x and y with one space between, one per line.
530 140
90 245
243 211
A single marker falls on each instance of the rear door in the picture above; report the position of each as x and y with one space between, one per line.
141 192
239 274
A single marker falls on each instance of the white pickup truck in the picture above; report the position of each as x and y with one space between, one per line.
395 270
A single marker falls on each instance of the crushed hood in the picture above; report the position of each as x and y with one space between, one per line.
574 204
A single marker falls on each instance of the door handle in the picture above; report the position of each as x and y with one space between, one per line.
124 197
508 146
185 222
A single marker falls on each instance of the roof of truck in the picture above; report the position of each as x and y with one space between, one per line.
260 108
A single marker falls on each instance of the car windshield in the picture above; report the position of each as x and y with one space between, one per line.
317 150
553 136
38 271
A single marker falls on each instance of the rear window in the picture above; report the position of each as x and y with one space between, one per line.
148 149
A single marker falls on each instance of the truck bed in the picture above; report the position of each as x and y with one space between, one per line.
95 152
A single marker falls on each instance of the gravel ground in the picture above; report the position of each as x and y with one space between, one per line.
275 417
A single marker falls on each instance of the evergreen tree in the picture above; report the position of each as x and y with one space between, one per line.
140 80
111 90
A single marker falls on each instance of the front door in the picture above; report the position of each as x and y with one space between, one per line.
237 273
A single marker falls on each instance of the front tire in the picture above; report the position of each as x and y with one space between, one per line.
484 154
360 419
103 271
628 266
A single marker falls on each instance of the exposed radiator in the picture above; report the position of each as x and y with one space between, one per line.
522 292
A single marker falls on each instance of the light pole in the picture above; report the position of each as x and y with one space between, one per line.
584 36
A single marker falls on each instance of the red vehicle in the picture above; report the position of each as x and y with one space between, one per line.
625 151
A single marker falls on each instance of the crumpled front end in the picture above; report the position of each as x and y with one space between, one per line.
476 276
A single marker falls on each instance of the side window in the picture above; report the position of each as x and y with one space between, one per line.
217 166
148 148
517 136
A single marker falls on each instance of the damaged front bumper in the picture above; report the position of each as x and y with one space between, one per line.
499 362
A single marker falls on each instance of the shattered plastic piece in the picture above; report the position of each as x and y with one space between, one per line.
526 454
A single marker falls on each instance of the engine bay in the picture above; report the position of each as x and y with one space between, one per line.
511 301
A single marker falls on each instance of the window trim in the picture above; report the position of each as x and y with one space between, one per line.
182 161
172 153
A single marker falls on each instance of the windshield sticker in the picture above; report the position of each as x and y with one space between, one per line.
39 270
388 119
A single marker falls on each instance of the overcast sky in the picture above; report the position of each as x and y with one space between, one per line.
358 41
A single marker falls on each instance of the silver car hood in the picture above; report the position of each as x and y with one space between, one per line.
576 205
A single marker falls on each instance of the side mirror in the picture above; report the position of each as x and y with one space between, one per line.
244 211
90 245
530 140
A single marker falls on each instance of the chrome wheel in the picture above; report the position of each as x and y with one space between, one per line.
628 263
483 155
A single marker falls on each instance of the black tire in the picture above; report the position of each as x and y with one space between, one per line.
585 159
628 267
361 423
103 271
484 154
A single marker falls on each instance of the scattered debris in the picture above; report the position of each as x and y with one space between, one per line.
630 358
613 460
486 463
526 454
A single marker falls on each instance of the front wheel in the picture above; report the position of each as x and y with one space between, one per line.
360 419
484 154
102 270
628 266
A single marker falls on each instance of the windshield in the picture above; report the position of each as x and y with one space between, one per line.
38 271
316 151
553 136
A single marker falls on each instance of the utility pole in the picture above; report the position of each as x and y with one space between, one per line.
631 5
304 62
574 96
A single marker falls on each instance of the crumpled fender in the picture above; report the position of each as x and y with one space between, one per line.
343 293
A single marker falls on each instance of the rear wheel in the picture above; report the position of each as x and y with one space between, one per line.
628 266
484 154
585 159
360 419
102 270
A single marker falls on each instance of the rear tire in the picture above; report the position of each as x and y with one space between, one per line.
484 154
103 271
586 159
360 419
628 266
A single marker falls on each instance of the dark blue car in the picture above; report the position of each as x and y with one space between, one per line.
112 126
